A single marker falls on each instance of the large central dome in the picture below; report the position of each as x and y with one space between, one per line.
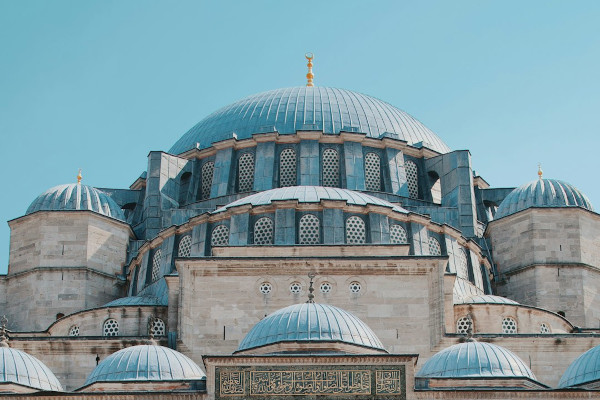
308 108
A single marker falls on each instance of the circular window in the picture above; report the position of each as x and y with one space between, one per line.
509 325
325 287
354 287
111 327
74 330
265 288
295 287
463 324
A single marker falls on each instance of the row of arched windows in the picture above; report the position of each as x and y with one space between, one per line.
288 173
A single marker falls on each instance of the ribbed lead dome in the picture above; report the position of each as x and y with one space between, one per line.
585 368
76 197
21 368
310 322
145 363
308 108
311 194
475 359
542 193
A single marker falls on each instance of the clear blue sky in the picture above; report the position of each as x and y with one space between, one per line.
98 84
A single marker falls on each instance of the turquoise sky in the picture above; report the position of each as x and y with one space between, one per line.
98 84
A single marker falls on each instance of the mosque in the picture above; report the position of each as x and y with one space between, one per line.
311 242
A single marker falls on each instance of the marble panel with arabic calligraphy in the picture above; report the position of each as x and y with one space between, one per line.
358 382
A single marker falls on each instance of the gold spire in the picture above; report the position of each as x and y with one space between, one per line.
79 177
309 76
311 289
540 172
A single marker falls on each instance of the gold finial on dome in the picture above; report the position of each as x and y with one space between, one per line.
309 56
540 172
311 289
79 177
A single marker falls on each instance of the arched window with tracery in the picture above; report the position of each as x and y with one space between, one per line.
372 172
412 179
287 168
185 246
309 230
219 236
208 170
331 168
245 172
356 232
398 234
263 231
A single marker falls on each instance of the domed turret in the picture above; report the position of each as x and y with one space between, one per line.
75 196
323 109
146 363
585 369
311 322
550 193
475 359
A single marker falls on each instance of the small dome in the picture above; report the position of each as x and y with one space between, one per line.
310 322
585 369
323 109
145 363
75 196
135 301
19 367
542 193
311 194
486 299
475 359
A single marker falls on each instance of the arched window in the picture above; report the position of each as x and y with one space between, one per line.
208 170
435 187
157 327
287 168
110 327
372 172
331 168
185 246
156 265
245 172
184 187
355 230
412 180
462 265
219 236
398 234
434 247
309 230
545 328
74 330
263 231
463 324
509 325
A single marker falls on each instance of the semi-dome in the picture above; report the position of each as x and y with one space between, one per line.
311 194
475 359
76 196
486 299
145 363
21 368
323 109
311 322
585 369
543 193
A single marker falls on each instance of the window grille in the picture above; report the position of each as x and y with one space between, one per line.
74 330
463 324
185 246
398 234
434 247
157 327
355 230
295 287
287 168
245 172
156 265
544 328
372 172
326 287
331 168
265 288
263 231
110 328
412 179
219 236
509 325
462 265
354 287
309 230
208 170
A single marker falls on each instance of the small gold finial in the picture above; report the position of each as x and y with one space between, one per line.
540 172
309 76
311 289
79 177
